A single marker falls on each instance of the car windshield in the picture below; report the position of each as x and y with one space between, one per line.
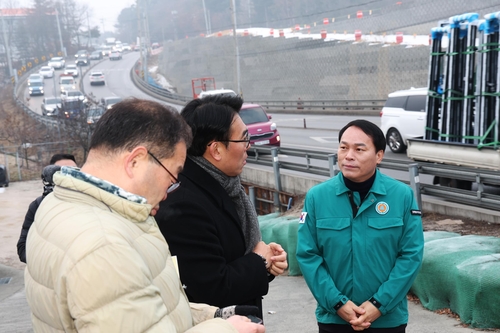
53 101
253 115
36 84
67 81
71 67
56 59
95 112
46 69
96 74
74 93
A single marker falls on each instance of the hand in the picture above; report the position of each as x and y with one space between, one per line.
244 325
278 260
265 251
350 311
364 321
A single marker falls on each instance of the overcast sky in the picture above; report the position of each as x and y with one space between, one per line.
106 11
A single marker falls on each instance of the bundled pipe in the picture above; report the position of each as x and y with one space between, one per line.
435 83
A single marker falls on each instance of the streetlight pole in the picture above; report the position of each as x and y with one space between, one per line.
206 19
63 50
237 51
7 47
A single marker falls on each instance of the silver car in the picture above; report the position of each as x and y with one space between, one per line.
51 106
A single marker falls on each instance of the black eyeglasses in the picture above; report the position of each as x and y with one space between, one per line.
173 186
247 140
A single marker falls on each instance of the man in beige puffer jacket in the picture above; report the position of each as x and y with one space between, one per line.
96 259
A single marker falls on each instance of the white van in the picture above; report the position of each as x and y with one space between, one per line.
225 92
404 116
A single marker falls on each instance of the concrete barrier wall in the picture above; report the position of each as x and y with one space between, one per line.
286 69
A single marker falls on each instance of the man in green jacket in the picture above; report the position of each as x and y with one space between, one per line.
360 240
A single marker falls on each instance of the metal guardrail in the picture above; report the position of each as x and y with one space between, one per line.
157 92
309 160
371 106
323 105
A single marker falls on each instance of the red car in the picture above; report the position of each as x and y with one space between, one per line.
262 131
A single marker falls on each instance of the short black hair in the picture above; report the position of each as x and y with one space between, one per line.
370 129
134 122
210 118
58 157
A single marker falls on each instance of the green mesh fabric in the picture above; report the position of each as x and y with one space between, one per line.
282 230
461 273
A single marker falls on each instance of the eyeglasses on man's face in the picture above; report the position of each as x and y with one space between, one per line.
175 185
246 140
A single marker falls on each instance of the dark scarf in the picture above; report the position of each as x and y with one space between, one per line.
244 207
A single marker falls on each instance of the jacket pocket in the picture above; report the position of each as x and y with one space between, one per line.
333 223
385 222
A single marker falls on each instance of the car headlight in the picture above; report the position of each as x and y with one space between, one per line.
31 89
273 127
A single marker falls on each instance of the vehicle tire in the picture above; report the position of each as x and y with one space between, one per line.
455 183
395 141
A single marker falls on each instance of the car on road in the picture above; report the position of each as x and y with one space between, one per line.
50 105
126 47
261 130
94 113
115 55
403 117
97 78
57 62
96 55
108 102
82 60
72 95
224 92
34 78
71 70
36 88
71 109
81 53
67 82
46 72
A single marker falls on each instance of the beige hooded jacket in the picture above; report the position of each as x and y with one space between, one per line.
98 263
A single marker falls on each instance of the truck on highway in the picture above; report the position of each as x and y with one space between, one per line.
463 102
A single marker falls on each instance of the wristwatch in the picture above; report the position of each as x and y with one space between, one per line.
341 303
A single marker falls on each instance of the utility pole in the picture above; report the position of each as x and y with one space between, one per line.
7 47
88 28
237 51
206 19
146 38
63 50
139 32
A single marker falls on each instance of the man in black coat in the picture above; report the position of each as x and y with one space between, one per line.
209 222
56 162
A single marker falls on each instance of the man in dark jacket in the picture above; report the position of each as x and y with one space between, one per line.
56 162
209 222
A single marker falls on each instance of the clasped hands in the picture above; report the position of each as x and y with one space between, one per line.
360 317
275 256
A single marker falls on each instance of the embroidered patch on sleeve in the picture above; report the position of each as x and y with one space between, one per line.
416 212
302 218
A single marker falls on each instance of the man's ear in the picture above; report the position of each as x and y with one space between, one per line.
380 156
214 151
135 159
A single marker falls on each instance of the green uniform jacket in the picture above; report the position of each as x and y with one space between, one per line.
376 254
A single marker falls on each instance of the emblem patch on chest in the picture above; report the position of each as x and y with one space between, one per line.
382 208
302 218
